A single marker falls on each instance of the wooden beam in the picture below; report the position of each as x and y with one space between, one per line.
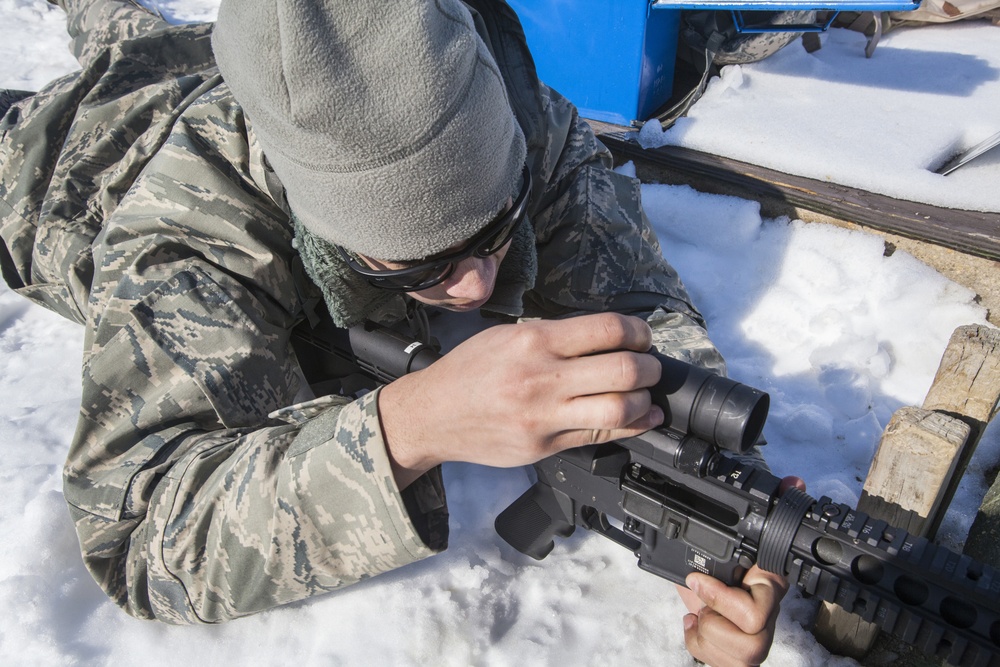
915 460
921 459
971 232
967 387
968 379
983 380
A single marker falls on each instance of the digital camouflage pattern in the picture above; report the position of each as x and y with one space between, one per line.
204 480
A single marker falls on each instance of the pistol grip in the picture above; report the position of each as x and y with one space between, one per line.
531 522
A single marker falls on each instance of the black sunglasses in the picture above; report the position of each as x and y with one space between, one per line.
427 274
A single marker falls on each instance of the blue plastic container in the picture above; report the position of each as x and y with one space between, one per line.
614 59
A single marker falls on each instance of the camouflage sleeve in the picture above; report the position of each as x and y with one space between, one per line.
197 495
97 25
597 250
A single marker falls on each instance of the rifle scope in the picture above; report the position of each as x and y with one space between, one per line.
388 355
695 401
698 402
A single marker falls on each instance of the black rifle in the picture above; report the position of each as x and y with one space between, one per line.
681 505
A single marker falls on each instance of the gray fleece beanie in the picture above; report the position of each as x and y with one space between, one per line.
387 122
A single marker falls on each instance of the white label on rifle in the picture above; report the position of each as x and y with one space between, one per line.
699 561
413 346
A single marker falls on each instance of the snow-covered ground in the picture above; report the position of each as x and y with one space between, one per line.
840 335
882 124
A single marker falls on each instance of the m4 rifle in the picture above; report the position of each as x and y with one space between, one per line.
678 498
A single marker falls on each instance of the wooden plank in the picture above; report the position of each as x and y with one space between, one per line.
916 458
972 232
906 484
967 386
920 462
968 380
984 381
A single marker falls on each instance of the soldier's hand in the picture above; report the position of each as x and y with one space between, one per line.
734 625
515 394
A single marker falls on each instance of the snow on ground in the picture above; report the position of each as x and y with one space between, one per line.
882 124
839 334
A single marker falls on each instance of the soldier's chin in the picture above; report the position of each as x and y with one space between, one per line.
465 307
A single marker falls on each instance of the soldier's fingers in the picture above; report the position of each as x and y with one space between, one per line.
693 639
792 482
690 599
714 639
750 609
599 332
610 372
607 413
765 587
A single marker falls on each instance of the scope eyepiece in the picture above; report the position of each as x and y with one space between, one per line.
698 402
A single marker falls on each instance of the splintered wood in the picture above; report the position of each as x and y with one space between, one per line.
968 380
919 451
921 459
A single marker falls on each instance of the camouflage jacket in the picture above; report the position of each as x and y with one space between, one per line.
135 200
